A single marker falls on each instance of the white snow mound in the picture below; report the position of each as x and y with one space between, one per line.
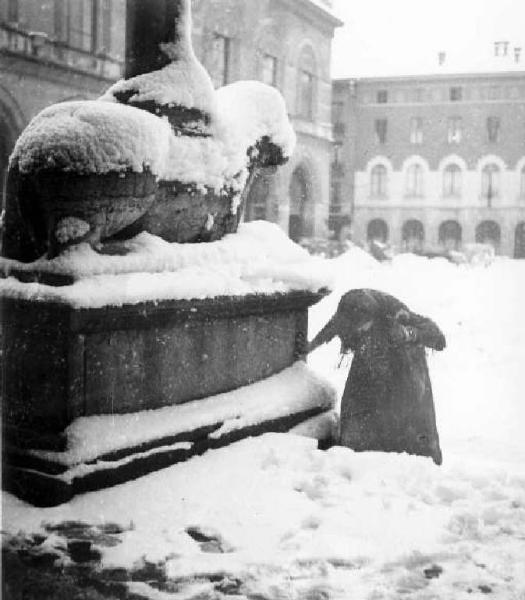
258 259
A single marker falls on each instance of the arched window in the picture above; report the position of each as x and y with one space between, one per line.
268 52
519 241
488 232
452 181
378 182
269 65
490 182
306 85
377 230
414 181
450 235
413 235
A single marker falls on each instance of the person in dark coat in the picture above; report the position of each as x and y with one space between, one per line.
387 403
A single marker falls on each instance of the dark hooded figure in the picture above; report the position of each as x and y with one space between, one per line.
387 403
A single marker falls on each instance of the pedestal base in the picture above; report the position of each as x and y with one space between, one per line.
45 483
63 365
108 450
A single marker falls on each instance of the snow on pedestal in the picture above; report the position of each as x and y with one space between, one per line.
258 259
101 449
163 328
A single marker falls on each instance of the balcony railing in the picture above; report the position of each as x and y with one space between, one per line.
40 47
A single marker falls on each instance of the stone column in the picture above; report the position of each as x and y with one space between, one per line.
149 24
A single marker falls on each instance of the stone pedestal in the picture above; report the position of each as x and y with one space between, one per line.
62 363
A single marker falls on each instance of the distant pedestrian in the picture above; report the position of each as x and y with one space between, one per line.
387 403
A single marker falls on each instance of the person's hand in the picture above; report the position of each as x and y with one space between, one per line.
402 334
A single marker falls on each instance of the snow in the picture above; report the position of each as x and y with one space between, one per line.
300 523
101 137
294 390
250 110
258 259
320 427
183 82
87 136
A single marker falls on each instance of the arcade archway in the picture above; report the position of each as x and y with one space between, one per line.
488 232
519 240
377 230
413 235
450 235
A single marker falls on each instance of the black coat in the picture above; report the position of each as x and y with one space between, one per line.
387 403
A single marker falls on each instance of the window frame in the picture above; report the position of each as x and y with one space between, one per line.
416 130
490 182
455 93
454 130
452 181
306 85
306 95
268 58
414 181
381 130
379 181
382 96
493 125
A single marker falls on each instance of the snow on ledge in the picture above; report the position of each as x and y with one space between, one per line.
88 136
258 259
293 390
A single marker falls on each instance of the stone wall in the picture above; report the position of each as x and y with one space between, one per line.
295 37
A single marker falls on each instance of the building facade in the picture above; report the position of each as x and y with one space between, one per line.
432 162
56 50
287 44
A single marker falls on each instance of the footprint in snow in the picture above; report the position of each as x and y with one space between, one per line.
209 540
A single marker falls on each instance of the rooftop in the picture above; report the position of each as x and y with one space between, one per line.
326 6
502 59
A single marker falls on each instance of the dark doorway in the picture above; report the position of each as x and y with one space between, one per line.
450 235
413 235
519 241
488 232
377 230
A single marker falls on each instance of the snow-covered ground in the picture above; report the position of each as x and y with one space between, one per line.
293 522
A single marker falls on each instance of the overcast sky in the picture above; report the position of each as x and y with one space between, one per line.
404 36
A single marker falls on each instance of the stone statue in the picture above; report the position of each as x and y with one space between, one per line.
161 151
